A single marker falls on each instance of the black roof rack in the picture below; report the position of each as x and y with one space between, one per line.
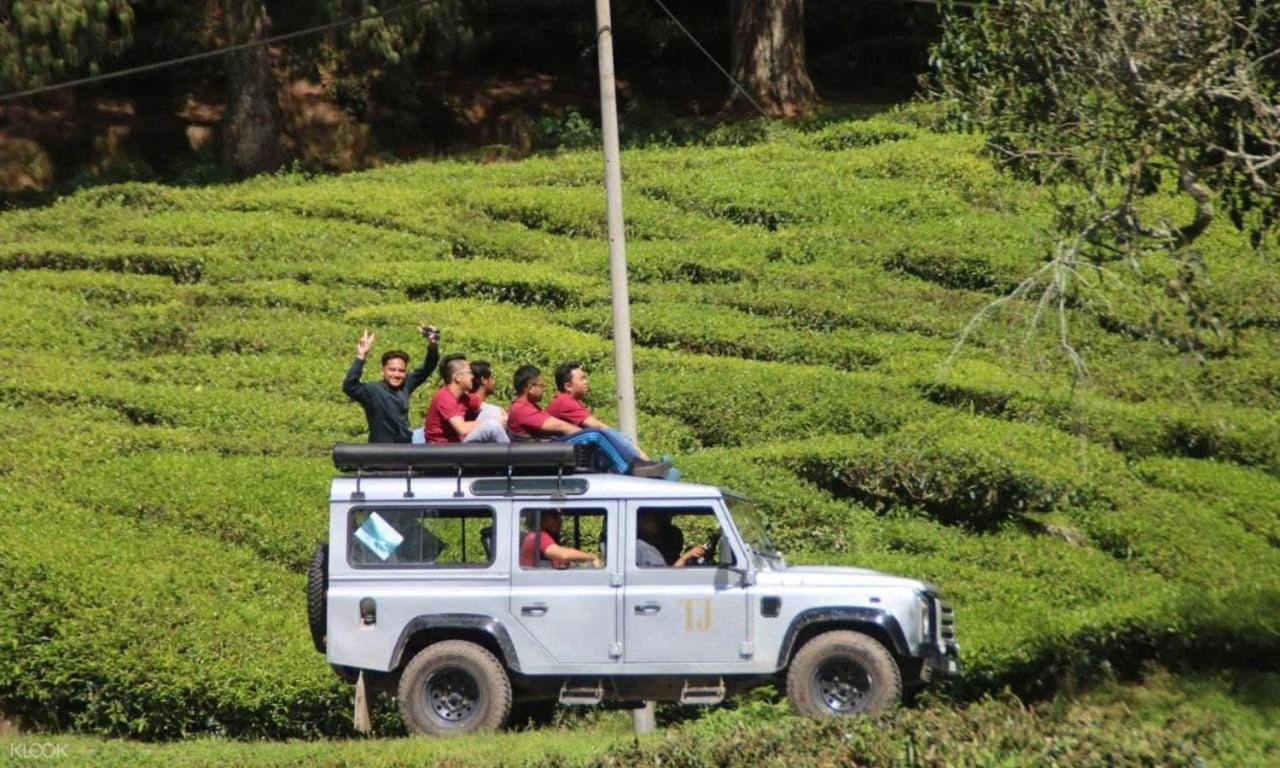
461 458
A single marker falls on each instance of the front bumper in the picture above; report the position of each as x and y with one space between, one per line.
943 662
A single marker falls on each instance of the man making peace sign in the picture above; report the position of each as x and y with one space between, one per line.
386 402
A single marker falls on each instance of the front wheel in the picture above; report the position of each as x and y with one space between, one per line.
843 673
454 687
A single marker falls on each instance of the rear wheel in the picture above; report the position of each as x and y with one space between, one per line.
843 673
454 687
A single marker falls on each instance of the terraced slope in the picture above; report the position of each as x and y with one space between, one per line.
170 363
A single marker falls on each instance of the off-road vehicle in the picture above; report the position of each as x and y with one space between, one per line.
435 585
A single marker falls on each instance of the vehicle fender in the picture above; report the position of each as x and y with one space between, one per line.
845 617
454 621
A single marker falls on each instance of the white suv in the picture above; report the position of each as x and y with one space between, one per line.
436 583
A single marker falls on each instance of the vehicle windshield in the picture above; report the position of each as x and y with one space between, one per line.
751 524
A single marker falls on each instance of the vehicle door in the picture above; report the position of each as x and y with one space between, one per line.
572 611
682 610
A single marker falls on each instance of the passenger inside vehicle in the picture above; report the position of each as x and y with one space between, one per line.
540 546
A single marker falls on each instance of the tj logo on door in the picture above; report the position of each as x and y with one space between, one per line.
697 615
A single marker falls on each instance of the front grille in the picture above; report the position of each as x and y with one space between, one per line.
947 623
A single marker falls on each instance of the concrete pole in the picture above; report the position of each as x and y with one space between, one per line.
617 233
642 719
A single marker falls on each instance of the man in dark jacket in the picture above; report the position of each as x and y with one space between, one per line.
386 402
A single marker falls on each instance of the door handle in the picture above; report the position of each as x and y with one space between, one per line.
533 610
647 609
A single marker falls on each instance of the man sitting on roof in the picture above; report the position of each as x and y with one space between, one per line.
483 384
446 418
386 402
614 453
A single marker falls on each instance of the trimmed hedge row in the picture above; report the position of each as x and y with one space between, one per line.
129 628
271 507
183 266
1245 495
733 333
1245 435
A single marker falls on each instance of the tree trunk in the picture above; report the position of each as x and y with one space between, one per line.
769 57
251 123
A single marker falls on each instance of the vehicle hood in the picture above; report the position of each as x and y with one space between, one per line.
830 576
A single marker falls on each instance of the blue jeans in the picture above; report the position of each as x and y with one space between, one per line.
614 450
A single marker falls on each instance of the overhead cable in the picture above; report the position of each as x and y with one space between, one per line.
216 52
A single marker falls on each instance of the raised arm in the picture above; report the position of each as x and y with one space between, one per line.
351 382
419 376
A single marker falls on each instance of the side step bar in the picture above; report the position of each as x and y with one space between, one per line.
581 695
702 695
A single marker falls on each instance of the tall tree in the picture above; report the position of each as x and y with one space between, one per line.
769 56
251 123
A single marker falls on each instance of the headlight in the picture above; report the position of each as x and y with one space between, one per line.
925 606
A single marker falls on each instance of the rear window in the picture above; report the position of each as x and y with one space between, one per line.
421 537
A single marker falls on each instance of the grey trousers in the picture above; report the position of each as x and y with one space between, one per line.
489 431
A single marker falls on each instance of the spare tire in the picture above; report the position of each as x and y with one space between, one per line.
317 593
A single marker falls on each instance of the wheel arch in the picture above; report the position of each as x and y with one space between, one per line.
485 631
878 624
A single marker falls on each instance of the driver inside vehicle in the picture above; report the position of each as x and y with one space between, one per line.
542 547
649 529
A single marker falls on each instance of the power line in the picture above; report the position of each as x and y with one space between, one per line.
711 58
216 52
370 17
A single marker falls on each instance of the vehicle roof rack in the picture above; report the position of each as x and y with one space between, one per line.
370 459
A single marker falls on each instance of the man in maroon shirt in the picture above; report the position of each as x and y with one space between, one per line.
569 404
446 418
541 546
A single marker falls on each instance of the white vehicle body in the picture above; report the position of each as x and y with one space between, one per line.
631 631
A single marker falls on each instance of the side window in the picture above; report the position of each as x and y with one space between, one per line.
566 527
679 537
448 537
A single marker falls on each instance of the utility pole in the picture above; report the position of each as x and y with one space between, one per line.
642 719
622 363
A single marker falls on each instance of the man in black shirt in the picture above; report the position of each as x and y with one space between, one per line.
386 402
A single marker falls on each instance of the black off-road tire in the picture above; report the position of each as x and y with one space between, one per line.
454 687
843 673
317 592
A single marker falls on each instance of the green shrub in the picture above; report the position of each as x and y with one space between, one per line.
182 266
862 133
132 629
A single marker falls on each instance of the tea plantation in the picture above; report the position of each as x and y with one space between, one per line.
170 361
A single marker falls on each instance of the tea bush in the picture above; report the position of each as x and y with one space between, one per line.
171 359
